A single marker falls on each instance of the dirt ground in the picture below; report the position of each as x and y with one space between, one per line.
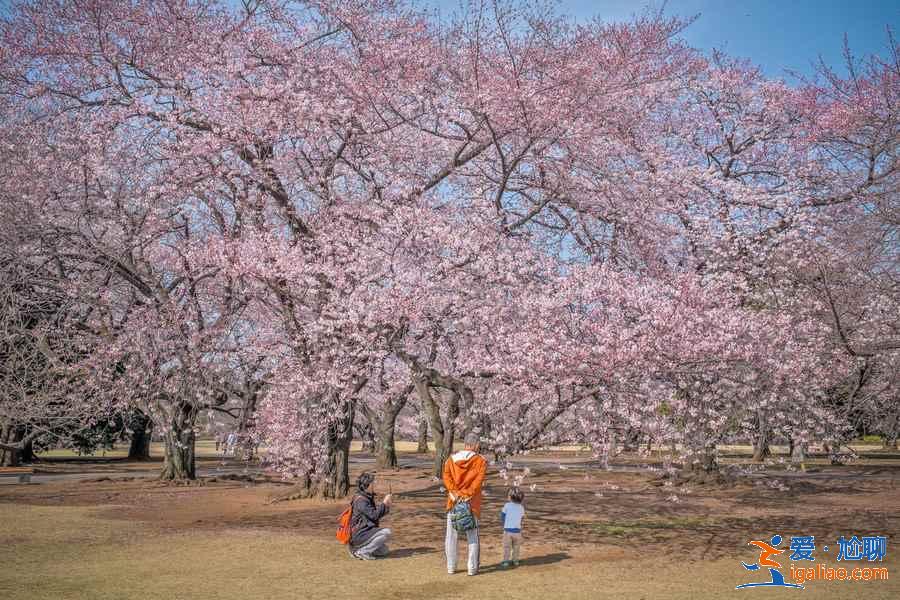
588 534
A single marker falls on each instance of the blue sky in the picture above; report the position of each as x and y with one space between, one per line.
777 35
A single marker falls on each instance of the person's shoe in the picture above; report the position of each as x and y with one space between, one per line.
366 557
451 571
471 573
505 564
515 563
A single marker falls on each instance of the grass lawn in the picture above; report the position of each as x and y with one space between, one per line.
203 449
63 553
592 536
207 449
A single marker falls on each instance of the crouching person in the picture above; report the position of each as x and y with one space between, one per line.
368 540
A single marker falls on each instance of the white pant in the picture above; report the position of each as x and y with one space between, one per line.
451 547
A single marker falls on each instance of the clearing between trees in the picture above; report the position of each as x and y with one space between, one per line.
589 533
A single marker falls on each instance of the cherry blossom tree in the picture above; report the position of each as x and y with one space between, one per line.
311 214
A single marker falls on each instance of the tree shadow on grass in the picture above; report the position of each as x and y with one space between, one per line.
409 552
530 561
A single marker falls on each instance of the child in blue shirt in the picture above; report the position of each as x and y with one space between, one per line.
511 516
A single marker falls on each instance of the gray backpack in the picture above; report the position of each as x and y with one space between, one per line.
461 517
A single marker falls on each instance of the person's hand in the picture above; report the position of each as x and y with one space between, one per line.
388 499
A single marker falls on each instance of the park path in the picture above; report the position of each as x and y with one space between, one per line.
231 468
225 468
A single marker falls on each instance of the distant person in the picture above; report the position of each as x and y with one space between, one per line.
368 540
230 443
464 474
220 440
511 519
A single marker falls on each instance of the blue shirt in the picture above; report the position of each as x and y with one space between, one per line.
511 517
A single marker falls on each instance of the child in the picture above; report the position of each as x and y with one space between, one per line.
511 516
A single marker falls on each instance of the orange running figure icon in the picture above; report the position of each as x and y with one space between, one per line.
767 551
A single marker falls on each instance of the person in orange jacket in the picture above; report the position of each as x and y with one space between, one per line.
464 474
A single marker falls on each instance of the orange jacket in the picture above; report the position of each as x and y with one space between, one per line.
463 478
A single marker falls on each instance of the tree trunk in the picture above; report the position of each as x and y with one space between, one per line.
27 455
179 461
367 437
10 456
442 426
706 464
386 423
423 434
141 431
246 421
443 450
833 449
632 439
608 449
604 436
891 432
761 444
710 462
335 480
798 454
699 444
179 440
387 451
442 433
701 457
440 447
